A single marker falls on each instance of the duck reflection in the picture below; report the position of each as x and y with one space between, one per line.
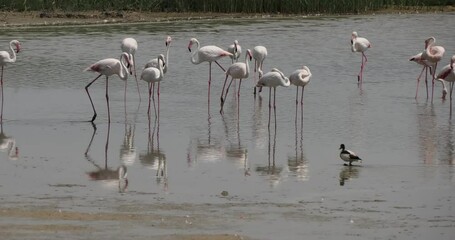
298 164
8 144
155 158
347 173
235 151
104 173
128 151
271 170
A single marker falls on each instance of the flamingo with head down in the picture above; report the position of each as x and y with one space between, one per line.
129 45
433 54
448 74
426 65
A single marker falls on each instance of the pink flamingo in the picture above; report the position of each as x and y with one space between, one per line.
448 74
300 78
129 45
5 58
259 55
236 51
239 71
360 44
108 67
152 75
426 65
207 54
432 54
272 79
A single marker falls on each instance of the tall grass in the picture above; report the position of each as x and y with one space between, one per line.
219 6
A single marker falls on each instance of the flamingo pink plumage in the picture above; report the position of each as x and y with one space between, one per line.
238 70
108 67
432 54
426 65
129 45
272 79
207 54
448 74
360 44
5 58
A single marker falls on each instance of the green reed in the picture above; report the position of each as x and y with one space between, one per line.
219 6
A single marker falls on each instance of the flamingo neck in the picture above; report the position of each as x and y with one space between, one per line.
123 74
160 67
247 66
13 59
193 56
167 57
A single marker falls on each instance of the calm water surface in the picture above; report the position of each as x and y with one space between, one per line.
404 189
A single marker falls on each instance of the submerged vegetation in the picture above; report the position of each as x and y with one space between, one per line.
220 6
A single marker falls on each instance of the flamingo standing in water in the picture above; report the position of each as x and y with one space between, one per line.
236 51
259 55
154 63
207 54
360 44
5 58
432 54
300 78
239 71
108 67
272 79
129 45
426 65
152 75
448 74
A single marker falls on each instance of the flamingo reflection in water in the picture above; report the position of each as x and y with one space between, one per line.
271 170
106 174
206 148
128 152
155 158
235 151
8 144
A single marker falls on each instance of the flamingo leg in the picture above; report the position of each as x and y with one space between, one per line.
451 89
158 92
135 77
210 80
296 105
274 104
222 91
86 89
270 105
297 96
225 95
301 98
150 96
107 100
432 81
426 79
418 81
238 99
222 68
1 83
153 97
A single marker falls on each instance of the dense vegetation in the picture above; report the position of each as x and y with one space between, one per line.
219 6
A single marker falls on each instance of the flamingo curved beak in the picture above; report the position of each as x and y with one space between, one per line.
18 48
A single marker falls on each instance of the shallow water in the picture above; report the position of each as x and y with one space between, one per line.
403 189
